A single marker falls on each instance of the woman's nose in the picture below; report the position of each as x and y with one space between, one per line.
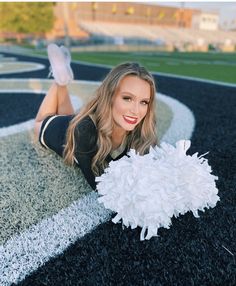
134 109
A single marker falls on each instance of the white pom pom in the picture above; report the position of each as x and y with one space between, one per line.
147 191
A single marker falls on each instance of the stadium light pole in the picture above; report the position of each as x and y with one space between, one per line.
181 14
94 10
66 20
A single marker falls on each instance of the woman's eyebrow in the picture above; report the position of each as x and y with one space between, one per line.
127 92
131 94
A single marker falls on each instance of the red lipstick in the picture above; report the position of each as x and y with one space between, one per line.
130 119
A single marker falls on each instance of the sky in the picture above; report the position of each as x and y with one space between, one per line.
226 10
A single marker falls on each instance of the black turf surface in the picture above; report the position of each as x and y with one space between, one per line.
82 71
17 108
192 251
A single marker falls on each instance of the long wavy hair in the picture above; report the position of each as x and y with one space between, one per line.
100 109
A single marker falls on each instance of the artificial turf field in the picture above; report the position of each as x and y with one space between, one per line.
212 66
192 252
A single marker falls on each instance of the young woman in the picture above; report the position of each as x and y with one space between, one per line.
120 116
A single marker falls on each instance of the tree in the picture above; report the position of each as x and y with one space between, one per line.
26 17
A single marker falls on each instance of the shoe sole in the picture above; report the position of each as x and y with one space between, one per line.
58 65
68 60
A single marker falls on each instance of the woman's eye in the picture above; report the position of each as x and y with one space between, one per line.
127 98
144 102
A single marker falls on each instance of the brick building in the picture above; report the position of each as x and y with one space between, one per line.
70 15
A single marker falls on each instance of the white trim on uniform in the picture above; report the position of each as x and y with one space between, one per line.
41 139
76 161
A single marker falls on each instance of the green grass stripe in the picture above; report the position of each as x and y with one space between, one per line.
208 66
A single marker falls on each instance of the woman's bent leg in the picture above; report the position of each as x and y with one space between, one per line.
56 101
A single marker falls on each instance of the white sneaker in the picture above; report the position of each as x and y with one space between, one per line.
68 60
59 59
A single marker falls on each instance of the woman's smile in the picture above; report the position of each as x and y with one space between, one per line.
130 119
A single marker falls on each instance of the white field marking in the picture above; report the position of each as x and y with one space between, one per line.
30 67
38 81
16 128
25 252
29 124
8 59
183 122
48 80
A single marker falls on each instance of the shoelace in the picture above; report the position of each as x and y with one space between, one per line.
66 53
50 74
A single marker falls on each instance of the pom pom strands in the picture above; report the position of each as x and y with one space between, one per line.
148 190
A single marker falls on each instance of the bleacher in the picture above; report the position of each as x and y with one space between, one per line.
153 33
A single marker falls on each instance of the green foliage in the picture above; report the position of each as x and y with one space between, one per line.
26 17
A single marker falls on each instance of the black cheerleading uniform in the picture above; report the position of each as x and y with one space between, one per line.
53 136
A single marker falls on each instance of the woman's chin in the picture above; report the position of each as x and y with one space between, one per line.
129 127
125 126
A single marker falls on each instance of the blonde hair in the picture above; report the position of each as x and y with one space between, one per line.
141 138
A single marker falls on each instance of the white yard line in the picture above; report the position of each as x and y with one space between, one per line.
24 253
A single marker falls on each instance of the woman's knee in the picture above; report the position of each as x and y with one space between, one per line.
37 127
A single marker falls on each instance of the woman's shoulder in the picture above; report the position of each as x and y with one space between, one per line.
86 134
86 124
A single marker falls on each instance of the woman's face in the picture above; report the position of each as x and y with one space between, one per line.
130 103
